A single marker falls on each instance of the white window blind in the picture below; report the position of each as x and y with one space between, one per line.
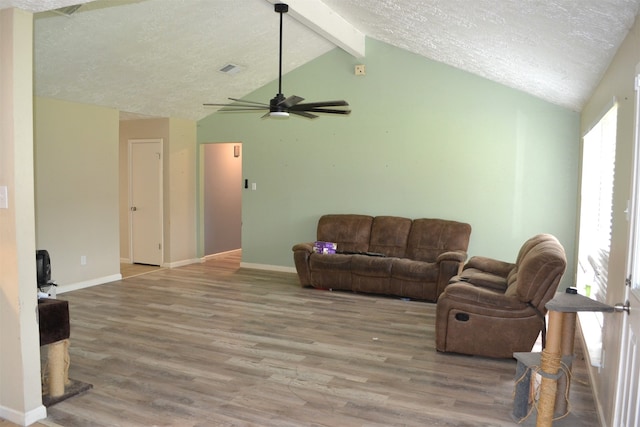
596 208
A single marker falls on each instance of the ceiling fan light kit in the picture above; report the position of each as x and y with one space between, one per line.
281 106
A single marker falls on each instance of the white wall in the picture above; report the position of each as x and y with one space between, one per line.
179 185
20 391
76 170
180 173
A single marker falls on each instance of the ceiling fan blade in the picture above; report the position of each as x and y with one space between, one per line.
235 107
244 101
308 105
230 110
290 101
326 111
303 114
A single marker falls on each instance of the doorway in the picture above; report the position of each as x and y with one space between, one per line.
222 197
145 202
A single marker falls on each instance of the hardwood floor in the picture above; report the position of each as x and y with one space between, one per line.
132 270
216 345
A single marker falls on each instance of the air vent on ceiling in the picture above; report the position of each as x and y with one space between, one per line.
69 10
230 69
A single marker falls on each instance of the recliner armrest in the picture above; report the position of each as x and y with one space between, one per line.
458 256
481 296
490 265
308 247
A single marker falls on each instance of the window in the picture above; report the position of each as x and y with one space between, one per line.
596 209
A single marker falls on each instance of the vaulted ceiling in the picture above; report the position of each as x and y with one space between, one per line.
162 57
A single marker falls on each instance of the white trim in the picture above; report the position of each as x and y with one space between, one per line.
182 263
268 267
88 283
590 372
23 418
599 117
591 342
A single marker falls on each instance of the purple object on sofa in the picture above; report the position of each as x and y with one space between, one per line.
385 255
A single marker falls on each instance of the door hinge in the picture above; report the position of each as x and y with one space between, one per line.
627 281
160 246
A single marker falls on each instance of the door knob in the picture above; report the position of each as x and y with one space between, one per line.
133 209
622 307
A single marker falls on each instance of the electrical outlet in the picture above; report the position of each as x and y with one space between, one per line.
83 260
360 70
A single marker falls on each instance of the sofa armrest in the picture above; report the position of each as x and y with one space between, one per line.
490 265
301 254
307 247
473 295
448 267
458 256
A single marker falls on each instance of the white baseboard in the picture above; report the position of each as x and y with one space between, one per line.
88 283
268 267
23 419
182 263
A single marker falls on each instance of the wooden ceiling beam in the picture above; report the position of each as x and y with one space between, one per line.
317 16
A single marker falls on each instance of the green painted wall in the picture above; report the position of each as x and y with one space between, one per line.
423 140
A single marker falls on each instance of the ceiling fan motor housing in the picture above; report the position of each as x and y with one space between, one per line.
276 104
281 7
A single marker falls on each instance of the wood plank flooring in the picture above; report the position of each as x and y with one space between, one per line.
216 345
132 270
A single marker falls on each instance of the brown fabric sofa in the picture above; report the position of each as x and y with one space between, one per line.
495 308
385 255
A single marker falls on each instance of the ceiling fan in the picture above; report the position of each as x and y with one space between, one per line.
281 106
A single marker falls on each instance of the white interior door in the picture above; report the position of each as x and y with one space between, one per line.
627 412
145 201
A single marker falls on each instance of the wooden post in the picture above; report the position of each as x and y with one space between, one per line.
568 339
550 364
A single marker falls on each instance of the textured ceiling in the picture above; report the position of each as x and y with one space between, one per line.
160 57
554 49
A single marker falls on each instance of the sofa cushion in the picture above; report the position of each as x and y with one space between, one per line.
428 238
540 271
389 235
331 271
408 269
372 266
481 278
331 262
351 232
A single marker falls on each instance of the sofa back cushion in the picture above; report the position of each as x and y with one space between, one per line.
389 235
350 232
539 271
429 238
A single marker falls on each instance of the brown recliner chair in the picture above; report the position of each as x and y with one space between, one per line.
495 308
